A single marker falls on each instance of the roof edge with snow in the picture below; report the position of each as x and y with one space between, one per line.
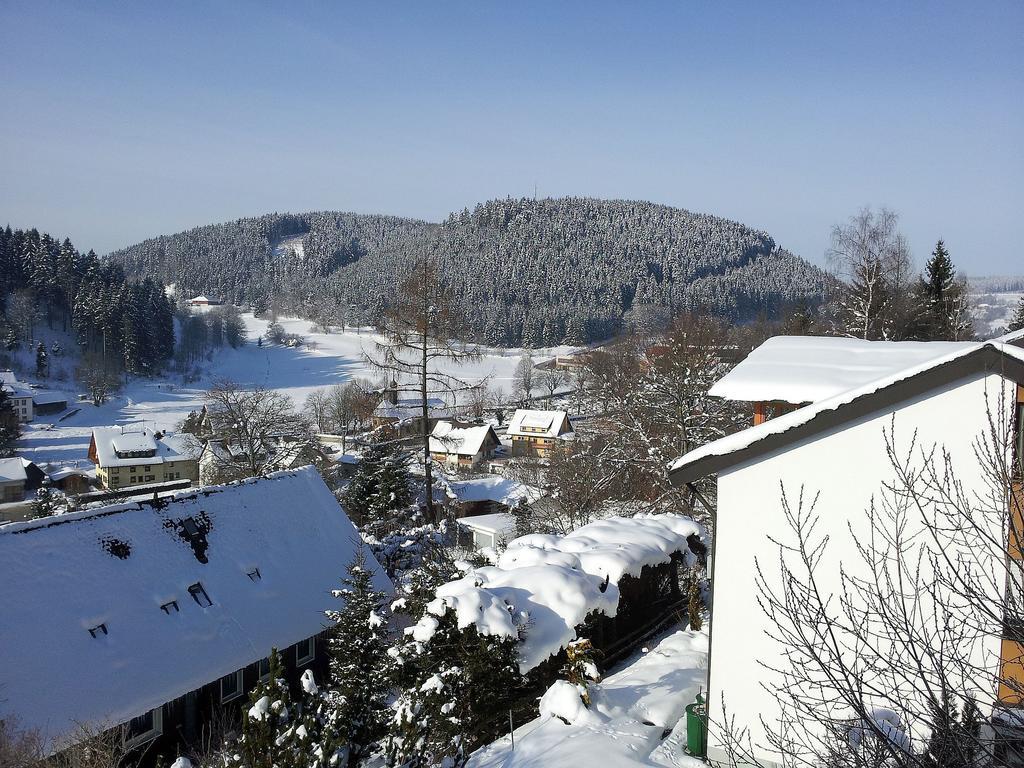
729 451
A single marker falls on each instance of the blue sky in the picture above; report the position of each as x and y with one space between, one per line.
127 120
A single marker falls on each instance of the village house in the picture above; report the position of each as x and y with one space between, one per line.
12 480
462 447
172 610
19 394
204 301
836 402
404 411
222 460
534 433
129 456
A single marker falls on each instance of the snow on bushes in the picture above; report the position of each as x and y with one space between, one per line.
544 586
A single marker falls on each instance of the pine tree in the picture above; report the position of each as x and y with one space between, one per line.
942 300
456 688
268 729
10 430
391 497
1017 322
363 485
361 669
48 502
42 363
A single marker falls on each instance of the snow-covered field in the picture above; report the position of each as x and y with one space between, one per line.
992 311
630 711
163 403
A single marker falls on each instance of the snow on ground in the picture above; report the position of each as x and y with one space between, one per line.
162 403
293 244
631 709
992 312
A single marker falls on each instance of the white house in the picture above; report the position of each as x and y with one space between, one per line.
19 394
403 411
159 613
462 446
134 455
834 446
534 433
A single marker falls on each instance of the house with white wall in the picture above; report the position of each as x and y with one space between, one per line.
19 394
845 399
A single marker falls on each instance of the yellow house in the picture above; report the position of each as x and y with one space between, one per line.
128 456
534 433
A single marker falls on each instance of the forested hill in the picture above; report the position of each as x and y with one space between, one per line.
527 272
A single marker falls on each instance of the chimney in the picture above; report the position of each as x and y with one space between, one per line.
391 393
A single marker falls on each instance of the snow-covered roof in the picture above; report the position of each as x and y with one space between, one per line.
46 396
110 441
535 423
464 441
731 445
112 569
808 369
493 488
410 408
547 585
1011 337
498 523
12 470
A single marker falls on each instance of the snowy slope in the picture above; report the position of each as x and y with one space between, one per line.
161 404
631 710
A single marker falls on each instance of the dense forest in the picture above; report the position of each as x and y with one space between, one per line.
122 324
526 272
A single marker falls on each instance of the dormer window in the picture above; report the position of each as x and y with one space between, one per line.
190 527
199 595
99 629
169 608
254 574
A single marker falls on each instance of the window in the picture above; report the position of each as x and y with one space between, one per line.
144 728
263 667
98 630
481 539
305 650
231 687
254 574
169 608
199 595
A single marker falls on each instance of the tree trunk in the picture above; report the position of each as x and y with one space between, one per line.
425 432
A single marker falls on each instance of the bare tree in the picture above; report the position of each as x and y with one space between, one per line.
872 257
579 377
893 667
421 329
250 424
523 377
317 409
99 377
551 379
19 748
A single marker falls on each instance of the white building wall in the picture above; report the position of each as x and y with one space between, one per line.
847 465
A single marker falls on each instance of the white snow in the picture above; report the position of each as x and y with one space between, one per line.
182 762
260 709
501 523
161 404
62 578
808 369
747 437
463 441
630 711
12 470
536 423
308 683
492 488
550 584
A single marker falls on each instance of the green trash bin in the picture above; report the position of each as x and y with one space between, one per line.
697 728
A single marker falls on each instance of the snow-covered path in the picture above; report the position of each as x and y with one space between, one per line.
632 709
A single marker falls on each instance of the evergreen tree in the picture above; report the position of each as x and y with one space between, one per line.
42 363
360 666
1017 322
456 687
10 430
48 502
391 497
280 733
361 488
942 300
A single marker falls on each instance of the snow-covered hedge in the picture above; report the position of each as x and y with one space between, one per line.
544 586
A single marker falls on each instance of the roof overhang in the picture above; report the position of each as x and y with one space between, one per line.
985 358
